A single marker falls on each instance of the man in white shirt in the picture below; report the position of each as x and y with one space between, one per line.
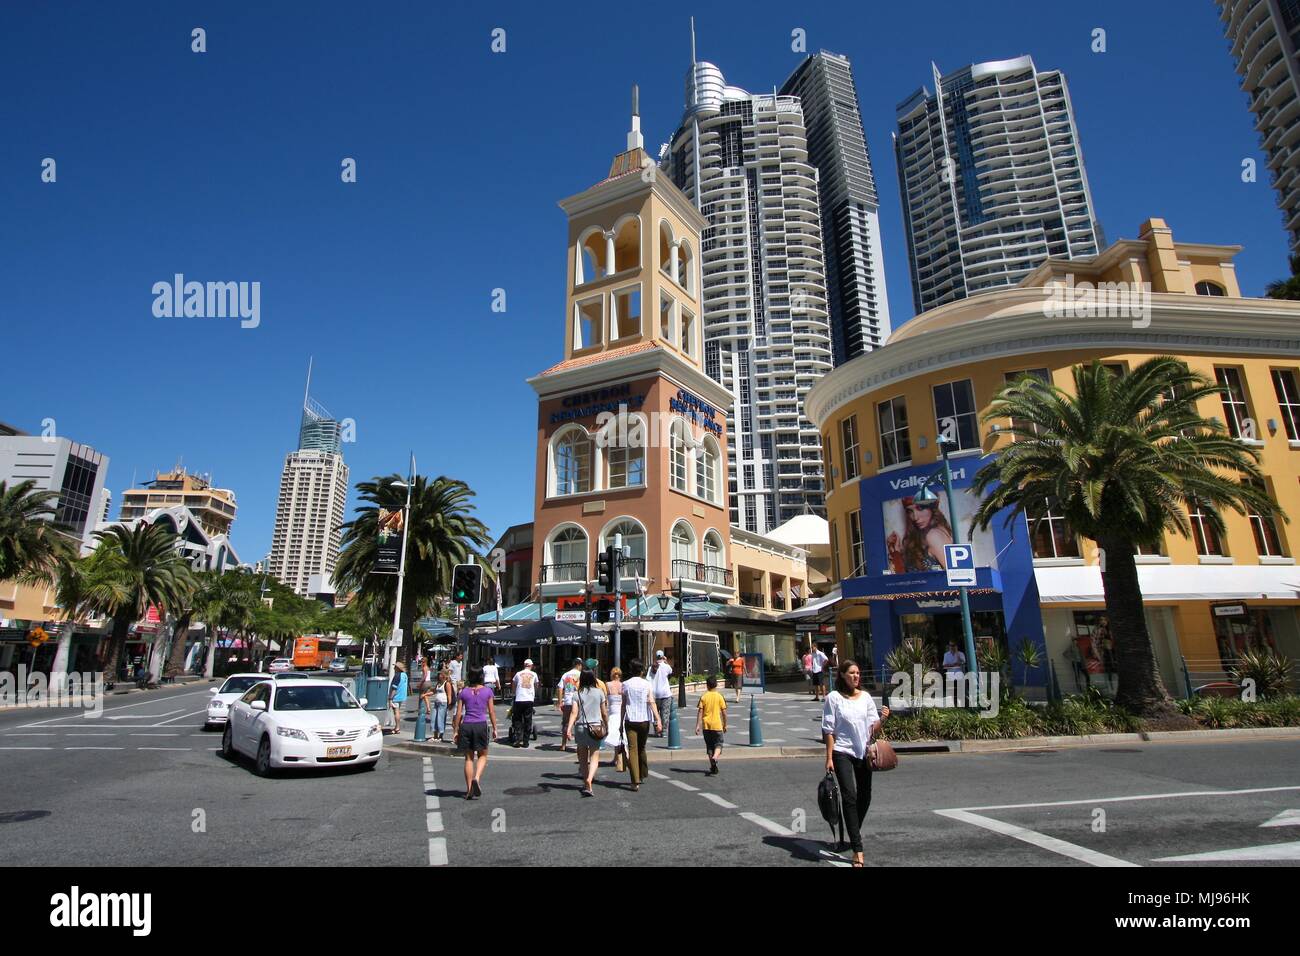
457 668
818 670
662 689
640 712
521 712
491 677
565 694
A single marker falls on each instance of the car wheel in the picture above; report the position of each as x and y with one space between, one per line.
227 744
263 765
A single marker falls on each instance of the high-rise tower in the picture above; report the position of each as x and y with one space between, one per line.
743 160
992 179
313 497
850 211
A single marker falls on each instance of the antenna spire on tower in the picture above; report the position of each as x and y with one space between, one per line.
692 41
634 138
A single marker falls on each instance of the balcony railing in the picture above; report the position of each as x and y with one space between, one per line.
632 568
552 573
750 599
704 573
778 602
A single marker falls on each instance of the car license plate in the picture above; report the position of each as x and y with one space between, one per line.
338 751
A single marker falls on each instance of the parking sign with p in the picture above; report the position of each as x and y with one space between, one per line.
960 559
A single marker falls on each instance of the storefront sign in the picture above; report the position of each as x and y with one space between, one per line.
925 585
696 410
587 404
1229 610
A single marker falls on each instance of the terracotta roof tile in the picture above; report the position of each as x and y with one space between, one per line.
586 360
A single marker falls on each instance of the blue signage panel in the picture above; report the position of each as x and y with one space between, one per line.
890 585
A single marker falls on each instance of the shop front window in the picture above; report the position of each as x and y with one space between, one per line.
1238 629
1094 650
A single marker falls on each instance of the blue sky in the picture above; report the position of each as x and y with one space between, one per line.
224 166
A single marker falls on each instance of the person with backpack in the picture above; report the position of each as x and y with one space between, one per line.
473 712
589 726
849 722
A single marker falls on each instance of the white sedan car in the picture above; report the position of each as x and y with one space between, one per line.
235 687
307 722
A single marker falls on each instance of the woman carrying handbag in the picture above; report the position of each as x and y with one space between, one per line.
849 723
589 726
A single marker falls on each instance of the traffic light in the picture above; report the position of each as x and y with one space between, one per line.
467 584
607 570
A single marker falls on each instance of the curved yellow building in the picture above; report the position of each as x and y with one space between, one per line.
1207 597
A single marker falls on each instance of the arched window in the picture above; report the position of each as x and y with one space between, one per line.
679 457
568 557
573 462
627 244
633 537
591 256
682 545
1205 287
686 267
713 553
706 470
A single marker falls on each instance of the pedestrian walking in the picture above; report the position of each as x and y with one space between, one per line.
737 666
818 668
457 670
806 664
397 695
639 713
438 695
474 711
616 741
711 717
849 722
565 692
588 725
424 672
663 689
492 677
521 711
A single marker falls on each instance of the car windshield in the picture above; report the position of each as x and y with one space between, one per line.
314 697
237 685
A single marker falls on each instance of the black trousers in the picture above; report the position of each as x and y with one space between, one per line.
854 778
521 713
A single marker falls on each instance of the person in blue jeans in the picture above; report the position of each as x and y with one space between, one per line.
397 696
438 695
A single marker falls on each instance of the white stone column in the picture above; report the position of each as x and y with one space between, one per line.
675 260
609 253
62 653
212 653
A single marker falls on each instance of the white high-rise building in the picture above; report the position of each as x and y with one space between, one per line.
850 211
992 179
310 510
743 160
54 463
1265 38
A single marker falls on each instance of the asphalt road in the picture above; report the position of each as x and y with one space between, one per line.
143 784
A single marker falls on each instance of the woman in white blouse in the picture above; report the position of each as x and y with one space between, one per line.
849 723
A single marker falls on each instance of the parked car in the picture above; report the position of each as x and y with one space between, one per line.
235 687
339 665
307 722
281 664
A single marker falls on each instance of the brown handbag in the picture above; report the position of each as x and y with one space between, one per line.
883 756
596 731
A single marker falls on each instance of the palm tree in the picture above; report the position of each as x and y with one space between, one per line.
441 532
84 585
31 545
1122 460
1286 288
145 569
223 602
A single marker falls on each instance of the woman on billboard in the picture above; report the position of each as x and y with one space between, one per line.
924 537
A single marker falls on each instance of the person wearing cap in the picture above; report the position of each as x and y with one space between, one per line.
521 713
663 689
593 665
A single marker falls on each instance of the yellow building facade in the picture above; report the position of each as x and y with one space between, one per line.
1207 597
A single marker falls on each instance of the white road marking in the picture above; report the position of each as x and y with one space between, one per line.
153 735
1041 840
164 748
146 716
767 824
714 798
1271 851
182 717
684 786
1287 818
26 748
658 776
88 735
94 748
100 716
1141 796
433 819
31 735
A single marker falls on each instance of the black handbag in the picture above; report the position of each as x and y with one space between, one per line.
830 804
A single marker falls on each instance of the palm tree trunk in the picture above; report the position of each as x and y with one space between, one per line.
180 633
1140 691
116 642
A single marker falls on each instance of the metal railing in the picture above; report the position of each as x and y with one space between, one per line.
704 573
750 599
573 571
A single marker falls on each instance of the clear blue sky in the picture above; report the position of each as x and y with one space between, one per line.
225 166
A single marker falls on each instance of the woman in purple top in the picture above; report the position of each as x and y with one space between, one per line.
473 711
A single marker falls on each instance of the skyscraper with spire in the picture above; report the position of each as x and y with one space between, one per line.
313 497
742 159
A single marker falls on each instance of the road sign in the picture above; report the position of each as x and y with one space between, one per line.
694 598
570 616
807 626
960 559
695 615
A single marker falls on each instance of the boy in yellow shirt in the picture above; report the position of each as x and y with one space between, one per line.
712 717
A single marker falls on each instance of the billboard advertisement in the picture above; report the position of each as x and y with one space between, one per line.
388 556
917 532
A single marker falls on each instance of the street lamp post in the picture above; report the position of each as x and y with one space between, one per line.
925 494
679 648
401 564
